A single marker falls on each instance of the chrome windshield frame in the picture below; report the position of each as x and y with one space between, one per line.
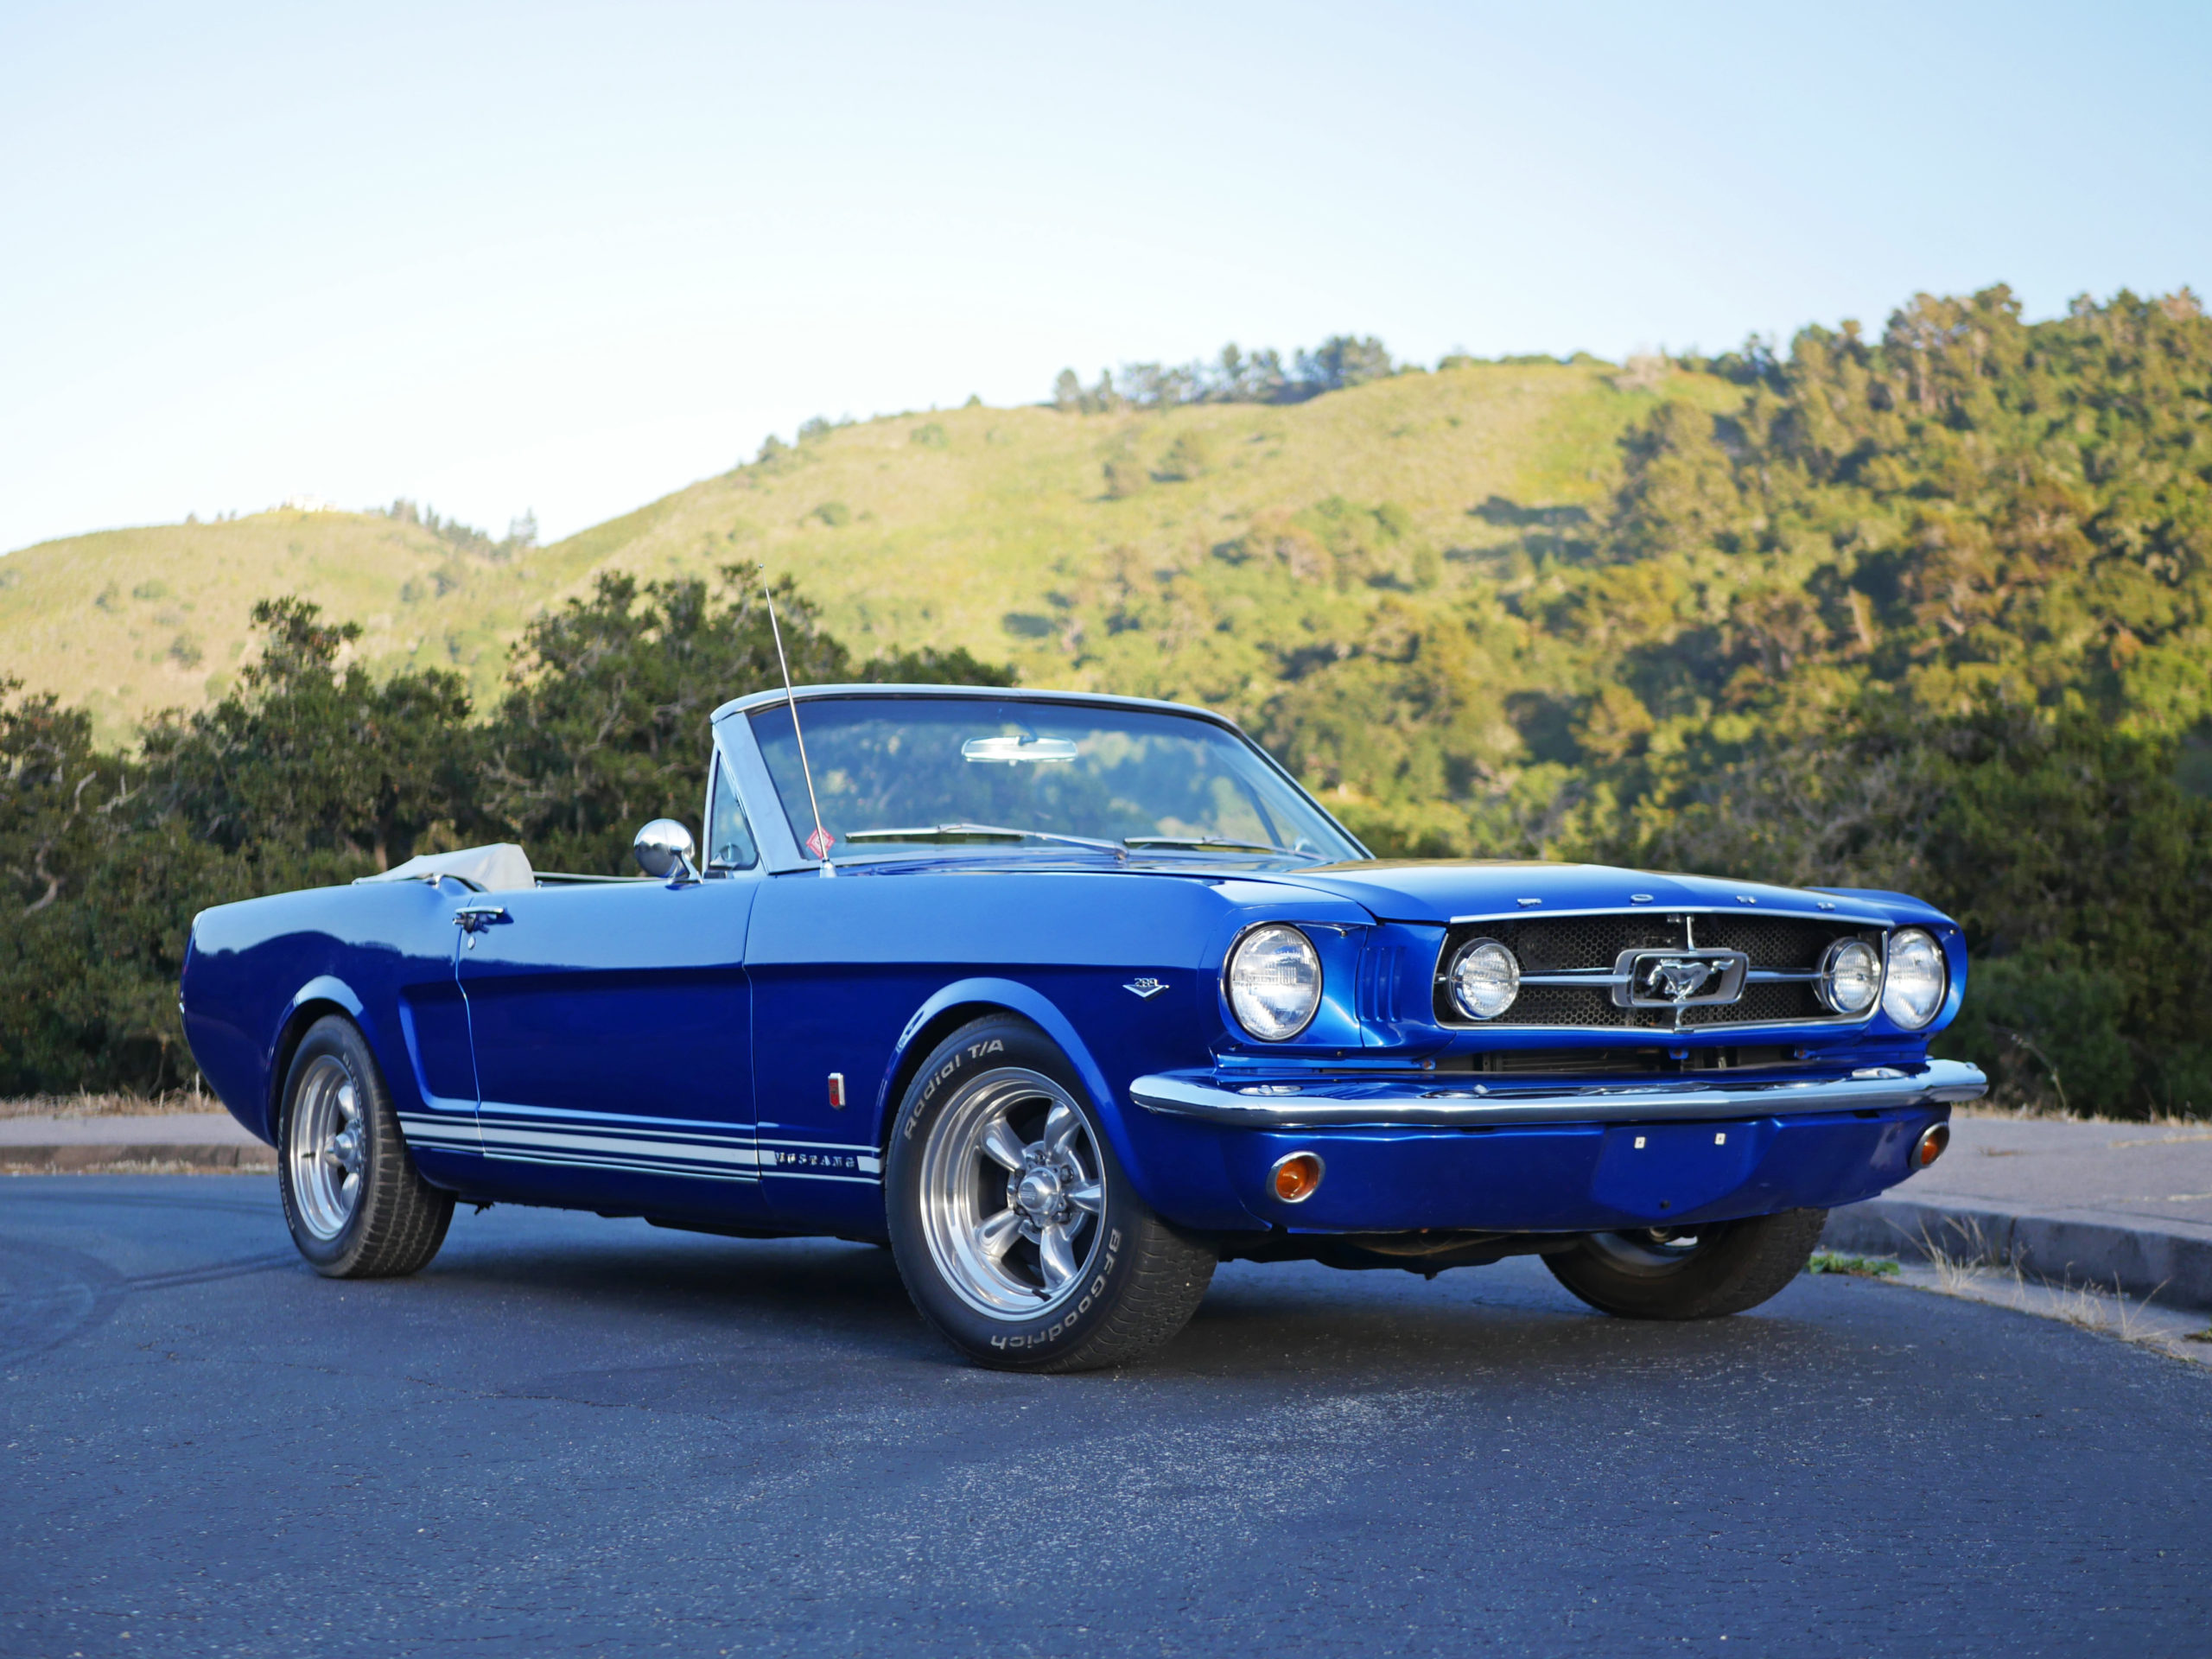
780 853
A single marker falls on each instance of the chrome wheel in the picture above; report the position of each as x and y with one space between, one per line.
324 1146
1012 1190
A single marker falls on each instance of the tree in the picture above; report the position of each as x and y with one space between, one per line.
311 760
1343 360
605 722
99 904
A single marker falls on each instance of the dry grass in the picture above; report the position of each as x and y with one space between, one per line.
1976 1267
2036 1112
2090 1309
1971 1253
90 1105
140 1166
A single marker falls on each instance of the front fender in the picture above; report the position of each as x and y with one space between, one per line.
1040 1010
1177 1167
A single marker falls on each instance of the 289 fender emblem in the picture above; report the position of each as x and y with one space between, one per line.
1146 988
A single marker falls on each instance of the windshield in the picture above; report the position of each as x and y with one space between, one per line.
905 775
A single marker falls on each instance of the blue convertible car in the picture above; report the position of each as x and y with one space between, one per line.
1066 999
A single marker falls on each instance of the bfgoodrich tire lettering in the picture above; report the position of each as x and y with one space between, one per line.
356 1205
1019 1237
1697 1274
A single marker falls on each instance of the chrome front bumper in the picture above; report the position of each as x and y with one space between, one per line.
1366 1102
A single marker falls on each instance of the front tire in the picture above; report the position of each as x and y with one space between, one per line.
1694 1273
357 1207
1017 1234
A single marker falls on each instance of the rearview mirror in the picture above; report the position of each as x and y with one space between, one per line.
663 847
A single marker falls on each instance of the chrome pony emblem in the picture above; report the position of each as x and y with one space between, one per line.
1146 989
1677 978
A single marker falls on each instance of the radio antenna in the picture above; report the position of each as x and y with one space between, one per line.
818 843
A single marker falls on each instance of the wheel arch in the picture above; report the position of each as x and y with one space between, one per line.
964 999
326 994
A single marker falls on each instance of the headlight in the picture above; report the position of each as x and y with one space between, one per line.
1917 978
1851 978
1274 981
1485 978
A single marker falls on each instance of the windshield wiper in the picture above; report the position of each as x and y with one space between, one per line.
982 832
1217 844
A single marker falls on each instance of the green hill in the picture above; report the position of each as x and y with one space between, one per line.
1931 611
1185 550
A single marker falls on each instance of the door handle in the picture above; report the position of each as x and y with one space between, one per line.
475 918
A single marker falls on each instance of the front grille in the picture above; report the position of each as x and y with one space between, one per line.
1557 944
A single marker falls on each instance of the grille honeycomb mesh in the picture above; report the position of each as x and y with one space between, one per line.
1760 1005
1780 942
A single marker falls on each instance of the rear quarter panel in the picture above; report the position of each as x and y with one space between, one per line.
256 972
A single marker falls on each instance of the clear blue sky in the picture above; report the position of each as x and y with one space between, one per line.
569 258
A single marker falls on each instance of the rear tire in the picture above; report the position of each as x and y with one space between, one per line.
1719 1270
356 1206
1017 1234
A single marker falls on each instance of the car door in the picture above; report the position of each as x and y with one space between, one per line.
441 1121
612 1028
835 982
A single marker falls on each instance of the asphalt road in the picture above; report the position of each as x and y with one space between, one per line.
572 1435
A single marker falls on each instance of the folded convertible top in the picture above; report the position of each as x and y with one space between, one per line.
501 868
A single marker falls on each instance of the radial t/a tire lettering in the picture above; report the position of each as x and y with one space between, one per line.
1019 1238
1694 1273
357 1207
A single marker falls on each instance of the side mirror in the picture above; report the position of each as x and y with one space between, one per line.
663 847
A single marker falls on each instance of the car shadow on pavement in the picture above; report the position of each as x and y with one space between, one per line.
550 1303
708 1323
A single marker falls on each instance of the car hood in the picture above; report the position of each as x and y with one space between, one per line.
1440 890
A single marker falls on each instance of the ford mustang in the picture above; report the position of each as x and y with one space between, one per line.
1066 999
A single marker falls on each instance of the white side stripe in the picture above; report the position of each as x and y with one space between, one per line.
504 1137
570 1160
611 1141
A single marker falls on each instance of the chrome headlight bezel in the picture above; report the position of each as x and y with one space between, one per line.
1897 989
1825 987
1490 950
1244 1006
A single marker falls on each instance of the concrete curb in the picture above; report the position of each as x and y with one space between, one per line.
85 1159
2172 1264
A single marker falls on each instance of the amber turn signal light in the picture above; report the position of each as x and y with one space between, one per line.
1297 1177
1933 1140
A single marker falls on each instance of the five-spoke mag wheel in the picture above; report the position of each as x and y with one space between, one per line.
323 1142
1013 1190
1013 1228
